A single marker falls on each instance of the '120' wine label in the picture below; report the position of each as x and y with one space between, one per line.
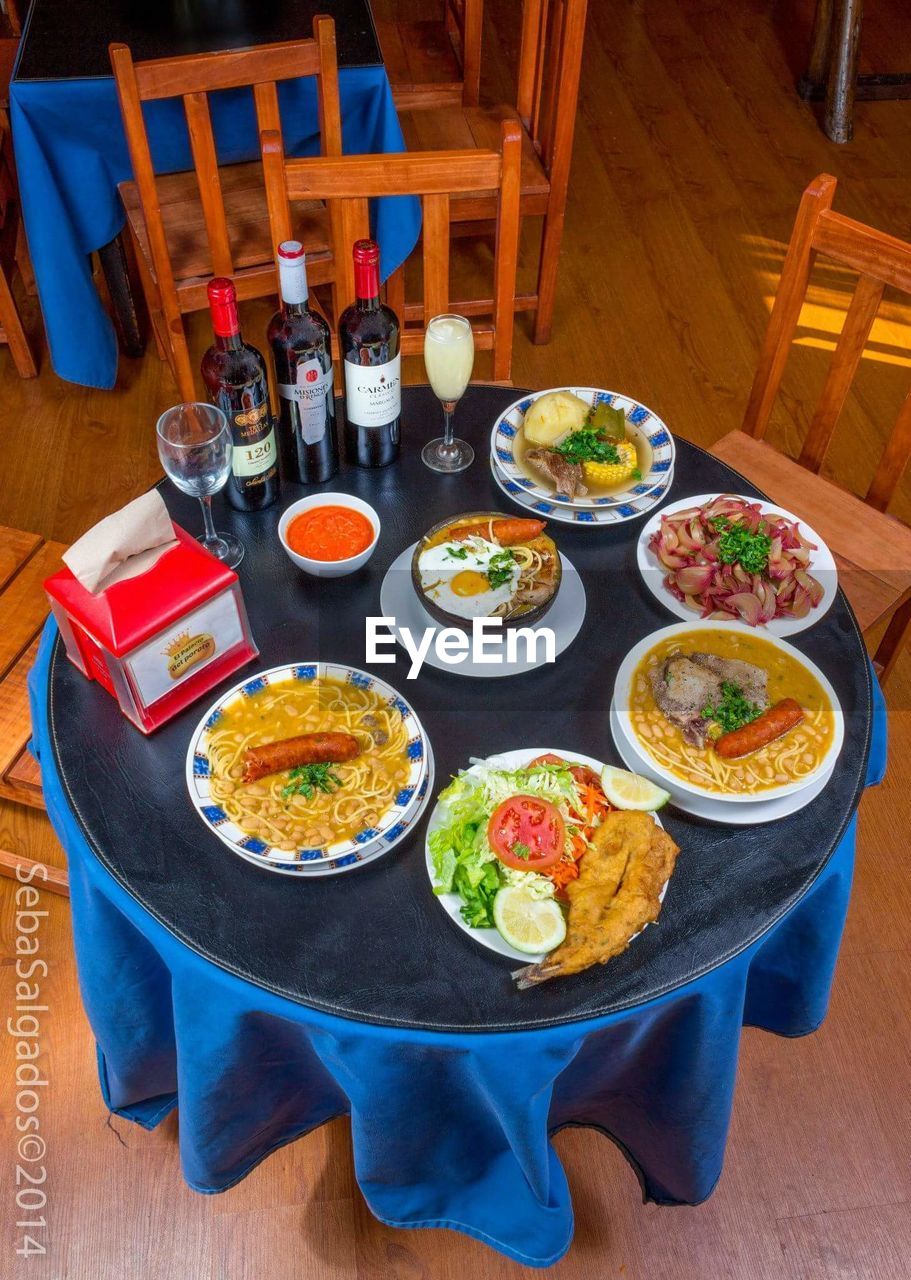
373 393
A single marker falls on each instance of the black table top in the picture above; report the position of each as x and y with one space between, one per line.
68 39
374 944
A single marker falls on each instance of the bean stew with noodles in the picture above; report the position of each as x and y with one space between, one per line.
312 807
687 740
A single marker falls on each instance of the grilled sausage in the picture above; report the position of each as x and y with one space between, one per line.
506 532
772 724
308 748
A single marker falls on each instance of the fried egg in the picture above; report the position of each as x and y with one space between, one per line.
454 575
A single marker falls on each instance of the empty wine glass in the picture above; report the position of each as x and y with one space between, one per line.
194 445
449 360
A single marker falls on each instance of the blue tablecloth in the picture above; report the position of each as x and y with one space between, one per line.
448 1130
71 153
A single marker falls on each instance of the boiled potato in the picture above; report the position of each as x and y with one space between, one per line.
554 416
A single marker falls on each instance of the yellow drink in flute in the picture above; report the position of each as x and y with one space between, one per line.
449 356
449 360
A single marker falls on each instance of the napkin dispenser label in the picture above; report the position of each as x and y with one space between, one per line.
159 665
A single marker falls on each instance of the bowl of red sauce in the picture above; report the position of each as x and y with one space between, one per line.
329 534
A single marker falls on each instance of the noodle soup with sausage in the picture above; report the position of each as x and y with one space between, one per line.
289 812
675 748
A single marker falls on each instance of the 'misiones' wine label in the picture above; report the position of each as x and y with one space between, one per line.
312 393
373 393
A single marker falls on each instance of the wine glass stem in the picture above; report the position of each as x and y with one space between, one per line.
212 537
448 411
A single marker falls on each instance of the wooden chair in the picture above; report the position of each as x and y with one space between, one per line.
550 61
433 62
212 221
872 549
439 177
12 245
25 561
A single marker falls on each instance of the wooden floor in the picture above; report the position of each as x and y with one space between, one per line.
691 151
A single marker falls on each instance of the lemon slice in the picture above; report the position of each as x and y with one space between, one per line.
527 923
627 790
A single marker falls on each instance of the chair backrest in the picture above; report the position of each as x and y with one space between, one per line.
879 259
348 182
192 77
467 17
550 66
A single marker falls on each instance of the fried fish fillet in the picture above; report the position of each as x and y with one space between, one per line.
615 895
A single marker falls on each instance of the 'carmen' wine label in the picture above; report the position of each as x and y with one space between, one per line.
373 393
310 393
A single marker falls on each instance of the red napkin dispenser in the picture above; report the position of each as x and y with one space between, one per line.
160 640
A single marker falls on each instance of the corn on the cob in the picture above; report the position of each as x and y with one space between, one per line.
613 472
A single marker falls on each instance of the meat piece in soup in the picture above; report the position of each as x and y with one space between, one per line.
685 684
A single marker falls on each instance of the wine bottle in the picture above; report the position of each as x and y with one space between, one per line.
235 378
369 332
302 356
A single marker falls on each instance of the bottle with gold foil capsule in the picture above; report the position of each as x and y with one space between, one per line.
235 376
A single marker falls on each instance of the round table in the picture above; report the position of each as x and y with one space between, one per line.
264 1005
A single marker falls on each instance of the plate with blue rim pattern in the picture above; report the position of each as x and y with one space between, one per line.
314 867
391 826
640 420
592 517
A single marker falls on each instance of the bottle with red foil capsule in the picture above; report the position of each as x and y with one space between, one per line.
369 333
235 378
302 357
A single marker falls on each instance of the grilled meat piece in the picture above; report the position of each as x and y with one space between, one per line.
685 683
566 476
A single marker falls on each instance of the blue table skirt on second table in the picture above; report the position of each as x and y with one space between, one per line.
447 1130
71 153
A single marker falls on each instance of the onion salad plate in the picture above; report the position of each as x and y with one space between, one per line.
582 517
821 566
339 855
451 902
641 421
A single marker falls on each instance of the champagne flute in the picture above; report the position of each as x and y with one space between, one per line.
448 359
194 445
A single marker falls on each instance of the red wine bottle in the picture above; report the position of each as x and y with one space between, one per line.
302 356
235 378
369 332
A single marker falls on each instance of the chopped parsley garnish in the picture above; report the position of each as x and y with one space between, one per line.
306 779
521 850
457 553
733 711
737 545
500 568
586 445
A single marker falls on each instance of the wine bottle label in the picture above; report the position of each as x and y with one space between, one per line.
373 393
310 392
252 459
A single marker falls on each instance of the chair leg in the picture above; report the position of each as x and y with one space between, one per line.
838 121
179 360
893 641
548 269
15 334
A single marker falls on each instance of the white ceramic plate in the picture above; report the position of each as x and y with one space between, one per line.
670 781
451 902
251 847
399 600
744 815
822 566
643 422
582 517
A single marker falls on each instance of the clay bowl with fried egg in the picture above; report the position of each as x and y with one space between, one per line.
460 572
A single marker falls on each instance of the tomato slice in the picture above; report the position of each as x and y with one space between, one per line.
547 758
531 824
585 776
